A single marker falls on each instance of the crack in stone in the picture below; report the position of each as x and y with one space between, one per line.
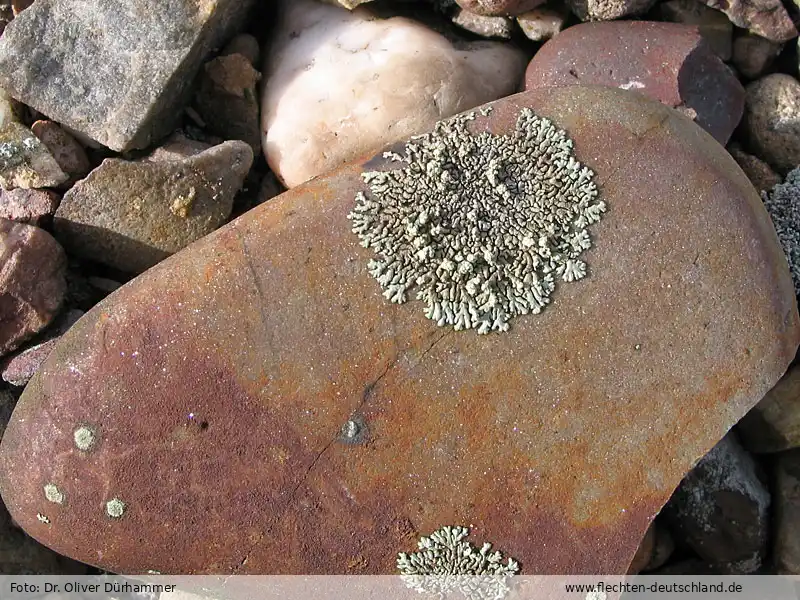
256 281
367 393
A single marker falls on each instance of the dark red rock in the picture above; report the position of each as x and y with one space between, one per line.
32 284
499 8
668 62
217 384
35 207
20 368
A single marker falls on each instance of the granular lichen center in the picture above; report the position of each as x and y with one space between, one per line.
480 226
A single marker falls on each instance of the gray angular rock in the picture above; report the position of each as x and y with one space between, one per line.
720 509
753 54
786 543
25 162
32 283
773 424
117 72
131 215
771 120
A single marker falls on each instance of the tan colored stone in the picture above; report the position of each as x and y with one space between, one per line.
218 386
131 215
773 425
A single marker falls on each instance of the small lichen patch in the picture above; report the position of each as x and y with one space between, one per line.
445 563
85 438
783 205
115 508
479 225
53 494
182 205
42 518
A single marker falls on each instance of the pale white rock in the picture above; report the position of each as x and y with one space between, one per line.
341 85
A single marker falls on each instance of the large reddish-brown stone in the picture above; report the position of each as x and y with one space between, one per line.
212 391
668 62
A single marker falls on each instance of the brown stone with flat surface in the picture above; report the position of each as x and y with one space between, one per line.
669 62
210 394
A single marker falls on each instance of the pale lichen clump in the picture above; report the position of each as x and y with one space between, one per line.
480 225
85 438
53 494
783 206
115 508
445 562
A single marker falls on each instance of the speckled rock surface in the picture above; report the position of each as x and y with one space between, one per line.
32 284
606 10
544 22
247 355
786 544
25 162
772 120
774 423
341 85
164 206
118 73
499 7
721 509
35 207
19 554
485 26
667 61
767 18
67 152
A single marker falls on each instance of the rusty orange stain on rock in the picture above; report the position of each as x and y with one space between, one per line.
222 379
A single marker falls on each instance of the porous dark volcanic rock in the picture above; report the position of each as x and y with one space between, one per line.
668 62
216 388
117 72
